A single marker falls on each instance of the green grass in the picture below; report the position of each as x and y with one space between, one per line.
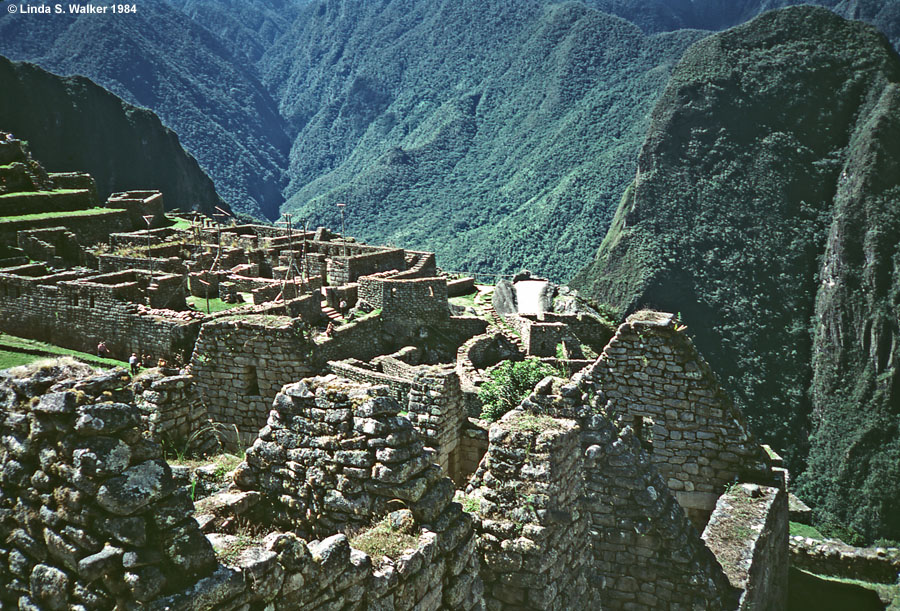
215 305
10 358
15 351
54 215
804 530
33 193
888 593
182 224
382 539
466 301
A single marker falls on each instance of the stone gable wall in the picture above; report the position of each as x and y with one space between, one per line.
653 379
646 554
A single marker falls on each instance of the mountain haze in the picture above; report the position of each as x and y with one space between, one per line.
72 124
765 210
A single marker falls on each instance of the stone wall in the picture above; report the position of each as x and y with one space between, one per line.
831 557
437 410
344 270
76 180
89 513
646 554
79 313
588 329
418 301
541 338
429 395
748 532
172 414
654 380
118 263
473 445
241 362
57 245
37 202
359 371
335 457
528 491
90 227
334 295
140 204
461 286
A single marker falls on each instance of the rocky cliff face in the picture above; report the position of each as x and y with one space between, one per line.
73 124
765 198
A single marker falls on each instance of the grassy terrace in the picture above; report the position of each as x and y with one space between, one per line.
55 215
215 304
26 194
15 351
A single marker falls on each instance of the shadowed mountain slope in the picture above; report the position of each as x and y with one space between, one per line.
161 59
765 210
72 124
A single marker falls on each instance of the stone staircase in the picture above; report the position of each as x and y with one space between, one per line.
485 308
331 313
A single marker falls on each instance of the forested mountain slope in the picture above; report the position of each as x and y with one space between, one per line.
161 59
667 15
497 133
766 210
72 124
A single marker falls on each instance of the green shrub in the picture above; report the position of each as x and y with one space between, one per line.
508 384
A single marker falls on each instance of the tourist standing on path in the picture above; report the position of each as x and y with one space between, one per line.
133 361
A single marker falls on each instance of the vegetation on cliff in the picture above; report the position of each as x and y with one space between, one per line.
72 124
764 209
194 80
456 126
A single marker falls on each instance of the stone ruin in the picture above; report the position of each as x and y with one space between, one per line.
595 491
565 509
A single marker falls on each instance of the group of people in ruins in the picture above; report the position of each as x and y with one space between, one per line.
135 362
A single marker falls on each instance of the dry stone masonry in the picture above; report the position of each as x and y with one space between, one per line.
653 379
89 512
335 456
533 531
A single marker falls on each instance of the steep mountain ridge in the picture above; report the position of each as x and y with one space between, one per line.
160 59
763 199
73 124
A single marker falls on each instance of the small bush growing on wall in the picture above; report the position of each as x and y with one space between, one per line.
508 384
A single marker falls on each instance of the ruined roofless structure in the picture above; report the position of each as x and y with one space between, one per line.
633 485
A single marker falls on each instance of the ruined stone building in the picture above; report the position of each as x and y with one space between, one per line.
631 482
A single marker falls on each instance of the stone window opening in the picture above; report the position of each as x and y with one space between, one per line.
75 299
643 430
251 380
91 301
